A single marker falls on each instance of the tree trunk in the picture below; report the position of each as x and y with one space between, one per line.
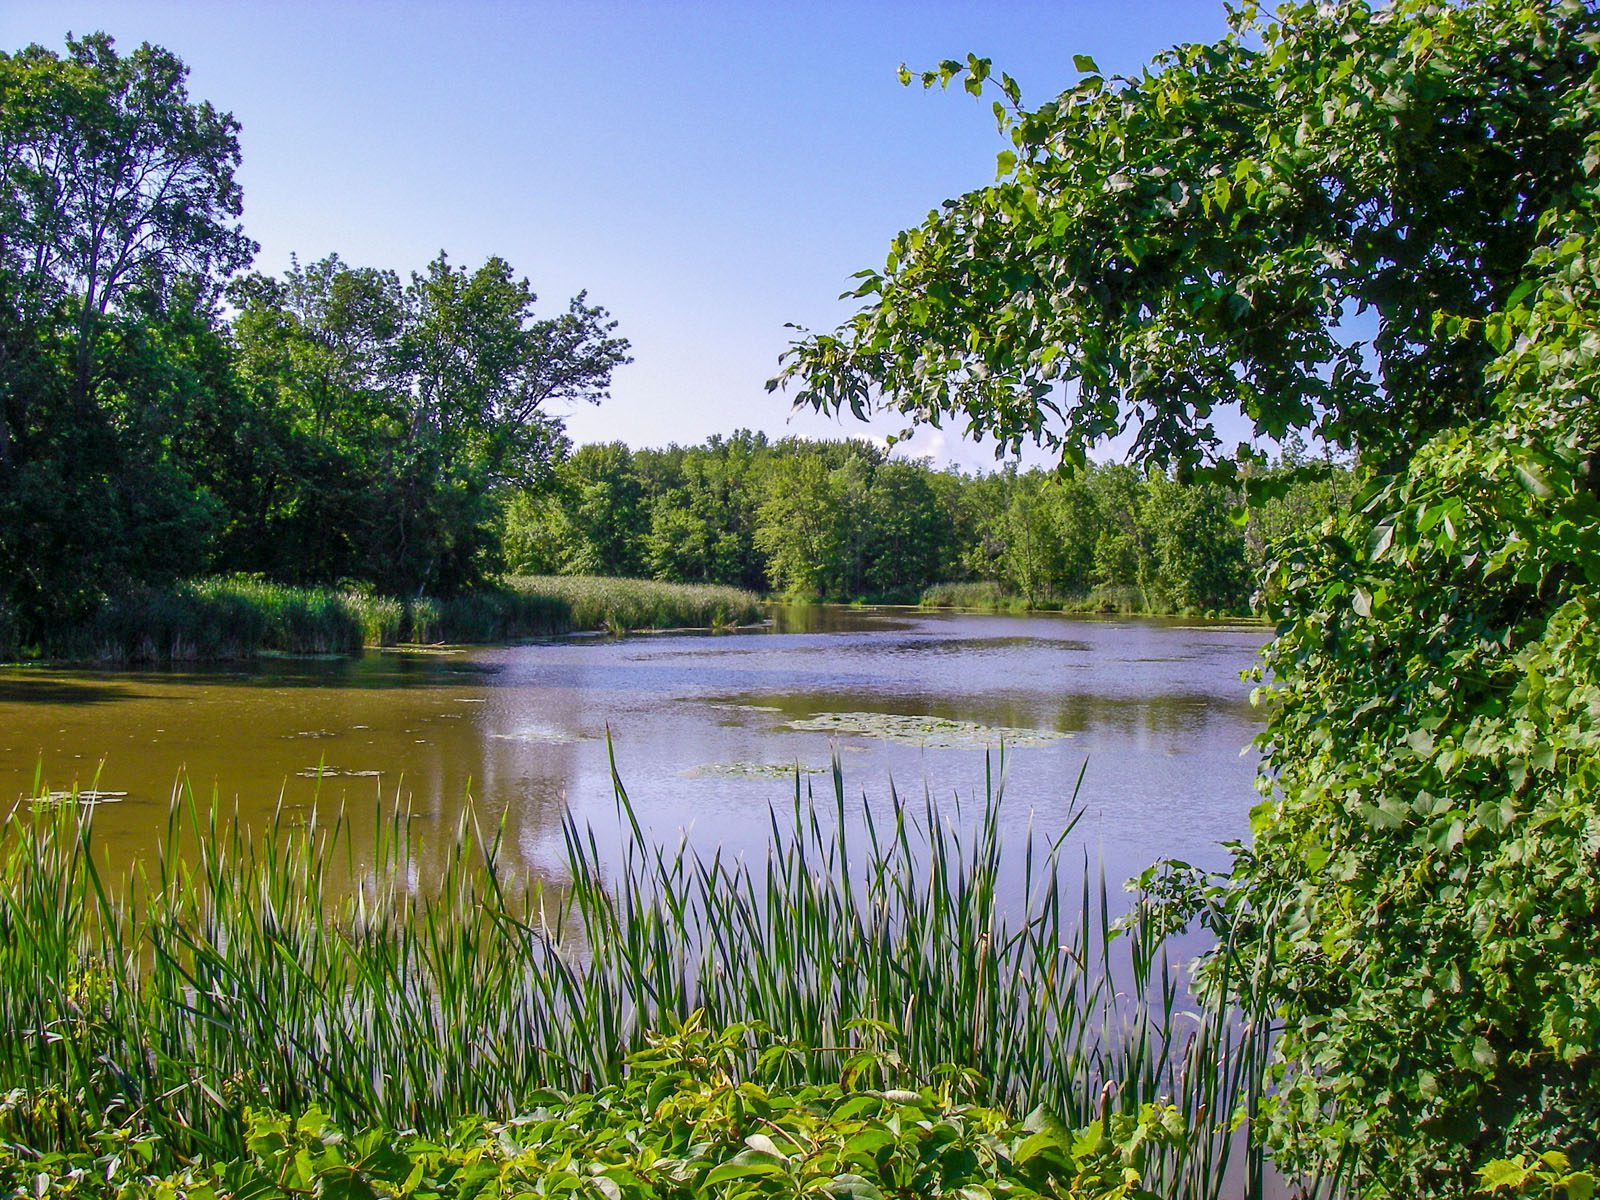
5 411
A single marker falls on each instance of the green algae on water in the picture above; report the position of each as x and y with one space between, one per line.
934 733
751 770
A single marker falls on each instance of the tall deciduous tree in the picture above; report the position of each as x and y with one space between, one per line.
111 180
118 209
405 407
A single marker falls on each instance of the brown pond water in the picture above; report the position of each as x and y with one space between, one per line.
707 730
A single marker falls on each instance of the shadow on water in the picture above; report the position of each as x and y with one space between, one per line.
374 669
20 689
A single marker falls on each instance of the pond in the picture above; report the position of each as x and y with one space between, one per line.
707 731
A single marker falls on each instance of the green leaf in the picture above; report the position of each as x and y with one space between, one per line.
866 1143
1520 292
760 1143
852 1187
1505 1175
745 1166
1533 480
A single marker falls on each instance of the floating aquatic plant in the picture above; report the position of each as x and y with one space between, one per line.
934 733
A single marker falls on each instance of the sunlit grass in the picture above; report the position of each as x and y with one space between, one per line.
238 617
537 605
984 595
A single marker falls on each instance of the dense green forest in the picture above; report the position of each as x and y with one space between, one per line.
844 521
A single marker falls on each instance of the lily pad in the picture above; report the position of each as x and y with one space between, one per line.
540 737
326 772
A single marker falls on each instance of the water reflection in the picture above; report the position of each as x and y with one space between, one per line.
700 725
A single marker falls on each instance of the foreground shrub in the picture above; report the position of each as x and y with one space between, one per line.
684 1122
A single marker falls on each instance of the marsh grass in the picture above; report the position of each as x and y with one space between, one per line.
523 606
987 596
236 618
229 972
982 594
594 602
229 619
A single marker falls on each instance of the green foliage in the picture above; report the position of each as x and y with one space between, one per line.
339 425
1199 559
1436 745
393 414
1375 225
1163 247
803 527
685 1121
399 982
835 521
117 196
1549 1175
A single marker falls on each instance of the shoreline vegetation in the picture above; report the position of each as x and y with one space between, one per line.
236 618
230 619
987 596
336 974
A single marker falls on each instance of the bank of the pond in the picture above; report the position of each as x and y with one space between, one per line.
213 620
987 596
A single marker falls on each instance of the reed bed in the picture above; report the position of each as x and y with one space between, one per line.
236 618
985 595
974 593
596 602
523 606
232 618
229 971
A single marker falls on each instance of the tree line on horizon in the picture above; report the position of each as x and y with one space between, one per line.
843 520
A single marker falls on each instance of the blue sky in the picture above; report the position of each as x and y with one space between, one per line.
707 171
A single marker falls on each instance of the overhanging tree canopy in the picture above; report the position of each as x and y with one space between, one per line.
1276 221
1380 226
